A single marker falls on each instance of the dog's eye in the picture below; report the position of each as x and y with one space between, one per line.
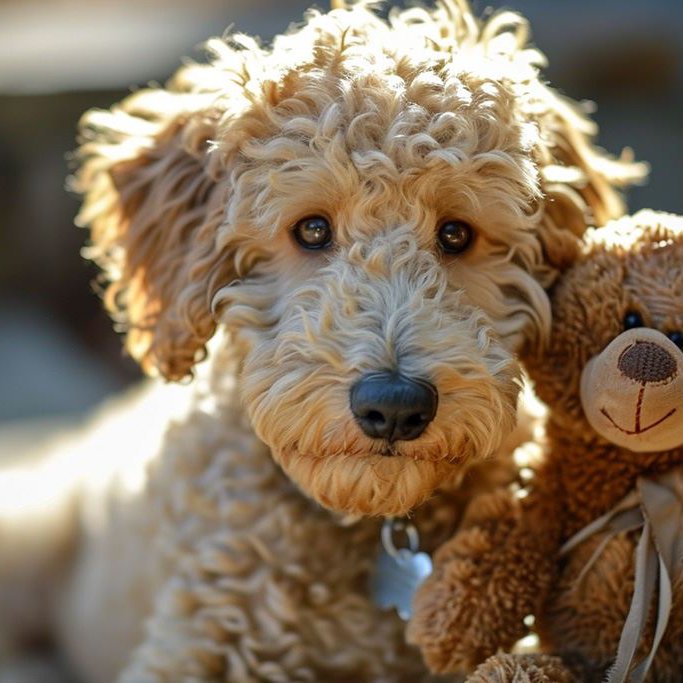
633 319
455 236
313 232
677 338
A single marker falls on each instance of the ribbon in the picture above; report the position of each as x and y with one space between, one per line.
656 507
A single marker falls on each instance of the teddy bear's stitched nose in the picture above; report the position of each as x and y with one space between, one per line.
389 406
647 362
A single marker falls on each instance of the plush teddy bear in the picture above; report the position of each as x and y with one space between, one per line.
592 545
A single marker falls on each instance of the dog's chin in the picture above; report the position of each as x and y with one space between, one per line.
370 485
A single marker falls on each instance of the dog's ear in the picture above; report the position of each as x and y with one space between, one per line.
154 196
580 182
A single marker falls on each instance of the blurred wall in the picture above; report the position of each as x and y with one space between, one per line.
58 354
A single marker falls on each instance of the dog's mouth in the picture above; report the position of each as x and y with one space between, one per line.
384 482
380 450
387 449
392 450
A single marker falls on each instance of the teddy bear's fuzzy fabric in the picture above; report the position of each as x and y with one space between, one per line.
521 669
197 544
505 563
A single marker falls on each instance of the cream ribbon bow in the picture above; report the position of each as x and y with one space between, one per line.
656 506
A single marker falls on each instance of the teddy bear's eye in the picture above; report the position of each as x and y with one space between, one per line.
455 236
313 232
677 338
632 320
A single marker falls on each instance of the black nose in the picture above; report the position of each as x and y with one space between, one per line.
389 406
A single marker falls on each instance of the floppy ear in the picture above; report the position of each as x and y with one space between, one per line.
154 197
581 183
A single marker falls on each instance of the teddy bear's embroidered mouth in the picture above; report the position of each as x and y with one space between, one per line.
638 429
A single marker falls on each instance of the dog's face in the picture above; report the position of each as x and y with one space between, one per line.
371 213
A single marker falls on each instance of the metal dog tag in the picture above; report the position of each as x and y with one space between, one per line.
399 571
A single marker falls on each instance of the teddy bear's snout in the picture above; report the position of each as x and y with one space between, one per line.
632 392
646 362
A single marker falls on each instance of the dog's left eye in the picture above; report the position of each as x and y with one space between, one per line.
455 236
313 232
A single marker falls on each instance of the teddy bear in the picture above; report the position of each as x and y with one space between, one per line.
588 549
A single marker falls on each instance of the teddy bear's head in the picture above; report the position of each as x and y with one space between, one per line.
615 359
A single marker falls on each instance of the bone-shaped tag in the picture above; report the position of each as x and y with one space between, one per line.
397 577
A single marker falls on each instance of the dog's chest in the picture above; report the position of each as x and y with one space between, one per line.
279 581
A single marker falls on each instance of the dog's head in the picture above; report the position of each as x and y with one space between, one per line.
370 212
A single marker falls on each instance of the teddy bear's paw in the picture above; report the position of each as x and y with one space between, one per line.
442 614
476 601
497 507
456 621
488 522
508 668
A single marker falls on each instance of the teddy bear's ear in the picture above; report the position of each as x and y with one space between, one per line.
581 183
154 196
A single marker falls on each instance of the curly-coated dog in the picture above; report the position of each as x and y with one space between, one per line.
344 238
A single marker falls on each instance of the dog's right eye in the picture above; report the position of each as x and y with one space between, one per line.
313 232
455 236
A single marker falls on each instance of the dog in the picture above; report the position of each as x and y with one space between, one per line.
331 248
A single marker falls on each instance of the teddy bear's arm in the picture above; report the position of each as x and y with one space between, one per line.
493 573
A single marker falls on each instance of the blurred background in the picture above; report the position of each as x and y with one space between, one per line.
58 355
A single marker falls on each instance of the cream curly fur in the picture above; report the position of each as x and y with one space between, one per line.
387 128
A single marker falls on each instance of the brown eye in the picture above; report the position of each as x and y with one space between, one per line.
313 232
455 236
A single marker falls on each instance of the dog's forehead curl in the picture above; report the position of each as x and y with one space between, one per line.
406 182
355 42
366 107
386 165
